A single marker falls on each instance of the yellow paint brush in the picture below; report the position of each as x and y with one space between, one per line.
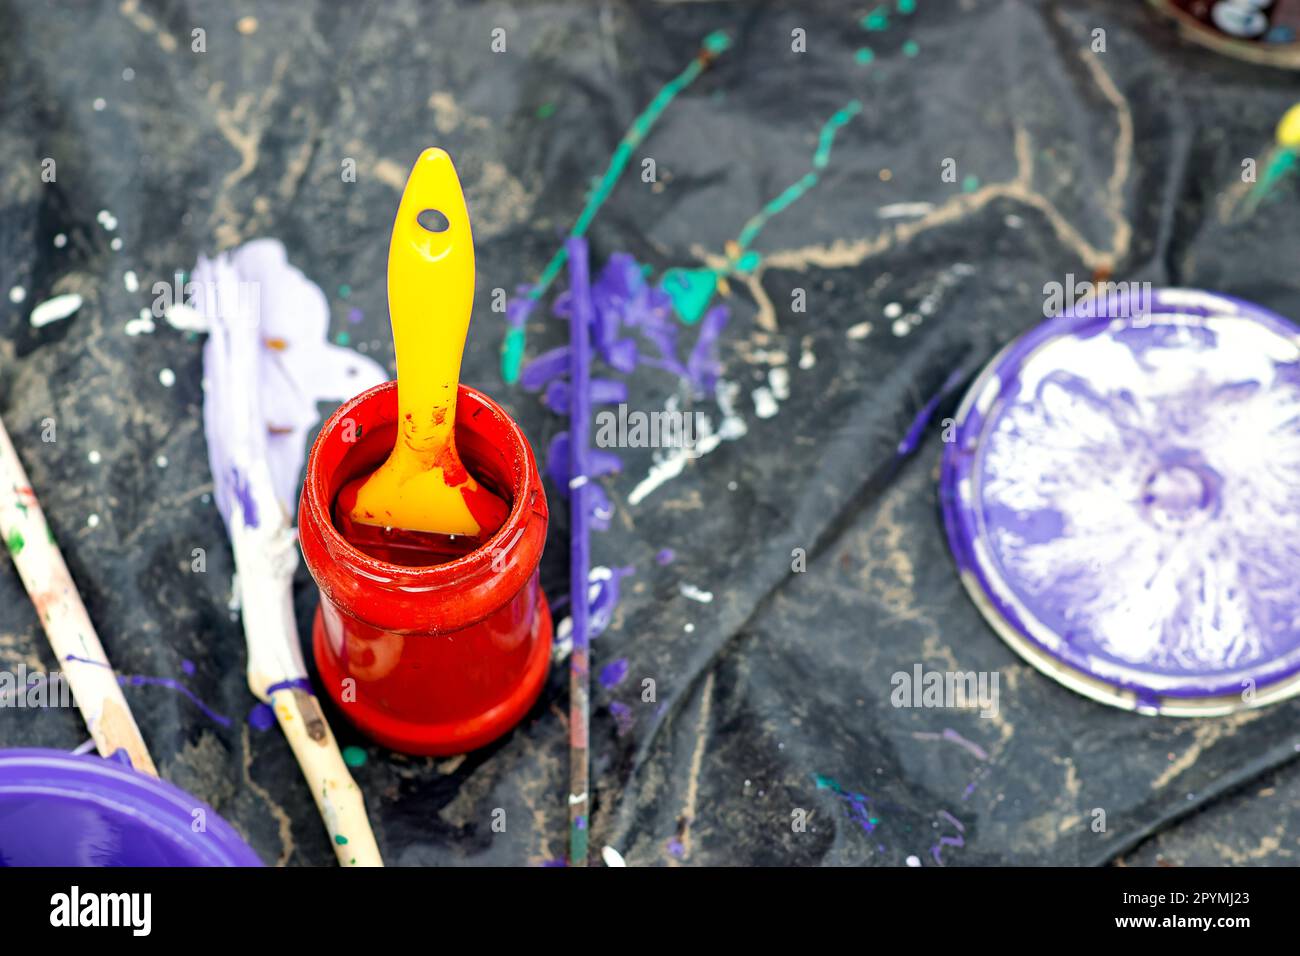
423 486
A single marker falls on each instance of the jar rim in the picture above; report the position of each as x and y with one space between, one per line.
504 434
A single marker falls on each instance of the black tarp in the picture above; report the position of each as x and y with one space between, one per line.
1069 162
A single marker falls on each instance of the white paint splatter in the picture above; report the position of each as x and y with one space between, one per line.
807 358
95 457
893 310
60 240
92 521
131 281
161 461
695 594
859 331
116 244
99 104
185 318
52 310
904 210
689 628
612 857
673 461
778 379
913 861
106 219
563 646
167 377
141 326
17 294
901 327
765 405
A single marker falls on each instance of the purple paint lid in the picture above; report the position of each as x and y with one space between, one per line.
60 809
1122 496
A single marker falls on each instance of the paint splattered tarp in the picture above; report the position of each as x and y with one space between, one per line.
992 152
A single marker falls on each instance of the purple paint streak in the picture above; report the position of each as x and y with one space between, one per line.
604 391
613 673
543 369
666 556
261 717
952 841
917 429
606 599
703 367
244 495
559 463
951 735
143 680
624 721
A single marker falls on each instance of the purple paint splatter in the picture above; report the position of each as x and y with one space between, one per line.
623 718
261 717
143 680
613 673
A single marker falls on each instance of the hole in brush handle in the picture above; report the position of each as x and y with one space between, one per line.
433 220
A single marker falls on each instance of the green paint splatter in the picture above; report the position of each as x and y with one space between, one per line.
512 354
340 839
906 6
795 191
970 182
345 290
877 19
546 111
911 48
827 137
354 756
691 290
22 507
1280 163
864 55
343 338
15 542
512 351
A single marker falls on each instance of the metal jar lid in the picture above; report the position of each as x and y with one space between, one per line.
1122 497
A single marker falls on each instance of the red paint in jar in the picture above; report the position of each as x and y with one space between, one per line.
447 639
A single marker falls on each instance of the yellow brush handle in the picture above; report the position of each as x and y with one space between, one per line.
430 297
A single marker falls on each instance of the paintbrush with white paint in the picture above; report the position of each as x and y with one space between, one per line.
58 604
266 364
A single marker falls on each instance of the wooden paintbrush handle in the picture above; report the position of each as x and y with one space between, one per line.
337 796
81 657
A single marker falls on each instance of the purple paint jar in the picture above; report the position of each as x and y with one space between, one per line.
1122 492
59 809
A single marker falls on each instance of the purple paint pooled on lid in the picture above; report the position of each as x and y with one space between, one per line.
1115 497
58 809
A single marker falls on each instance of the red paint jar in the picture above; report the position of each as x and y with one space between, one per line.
440 659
